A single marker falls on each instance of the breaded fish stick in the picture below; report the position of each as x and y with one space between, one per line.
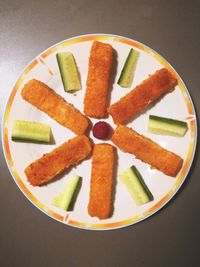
98 80
101 184
51 164
44 98
151 89
147 150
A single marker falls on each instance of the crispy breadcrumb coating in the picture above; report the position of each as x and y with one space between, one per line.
98 80
138 99
44 98
147 150
51 164
101 184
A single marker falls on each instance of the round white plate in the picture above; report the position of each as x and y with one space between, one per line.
177 105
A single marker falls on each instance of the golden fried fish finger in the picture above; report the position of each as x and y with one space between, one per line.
51 164
147 150
101 184
98 80
44 98
138 99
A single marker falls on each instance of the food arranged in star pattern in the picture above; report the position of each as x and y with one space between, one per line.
96 105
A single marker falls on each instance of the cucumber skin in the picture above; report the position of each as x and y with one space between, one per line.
168 120
135 195
31 131
139 176
64 73
175 127
126 77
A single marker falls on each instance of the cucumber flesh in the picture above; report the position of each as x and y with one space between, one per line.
31 131
63 200
166 126
136 186
127 73
68 71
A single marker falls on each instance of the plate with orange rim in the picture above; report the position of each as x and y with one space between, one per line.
178 105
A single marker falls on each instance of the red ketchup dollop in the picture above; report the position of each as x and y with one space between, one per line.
101 130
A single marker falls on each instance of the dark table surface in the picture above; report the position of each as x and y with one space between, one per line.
30 238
